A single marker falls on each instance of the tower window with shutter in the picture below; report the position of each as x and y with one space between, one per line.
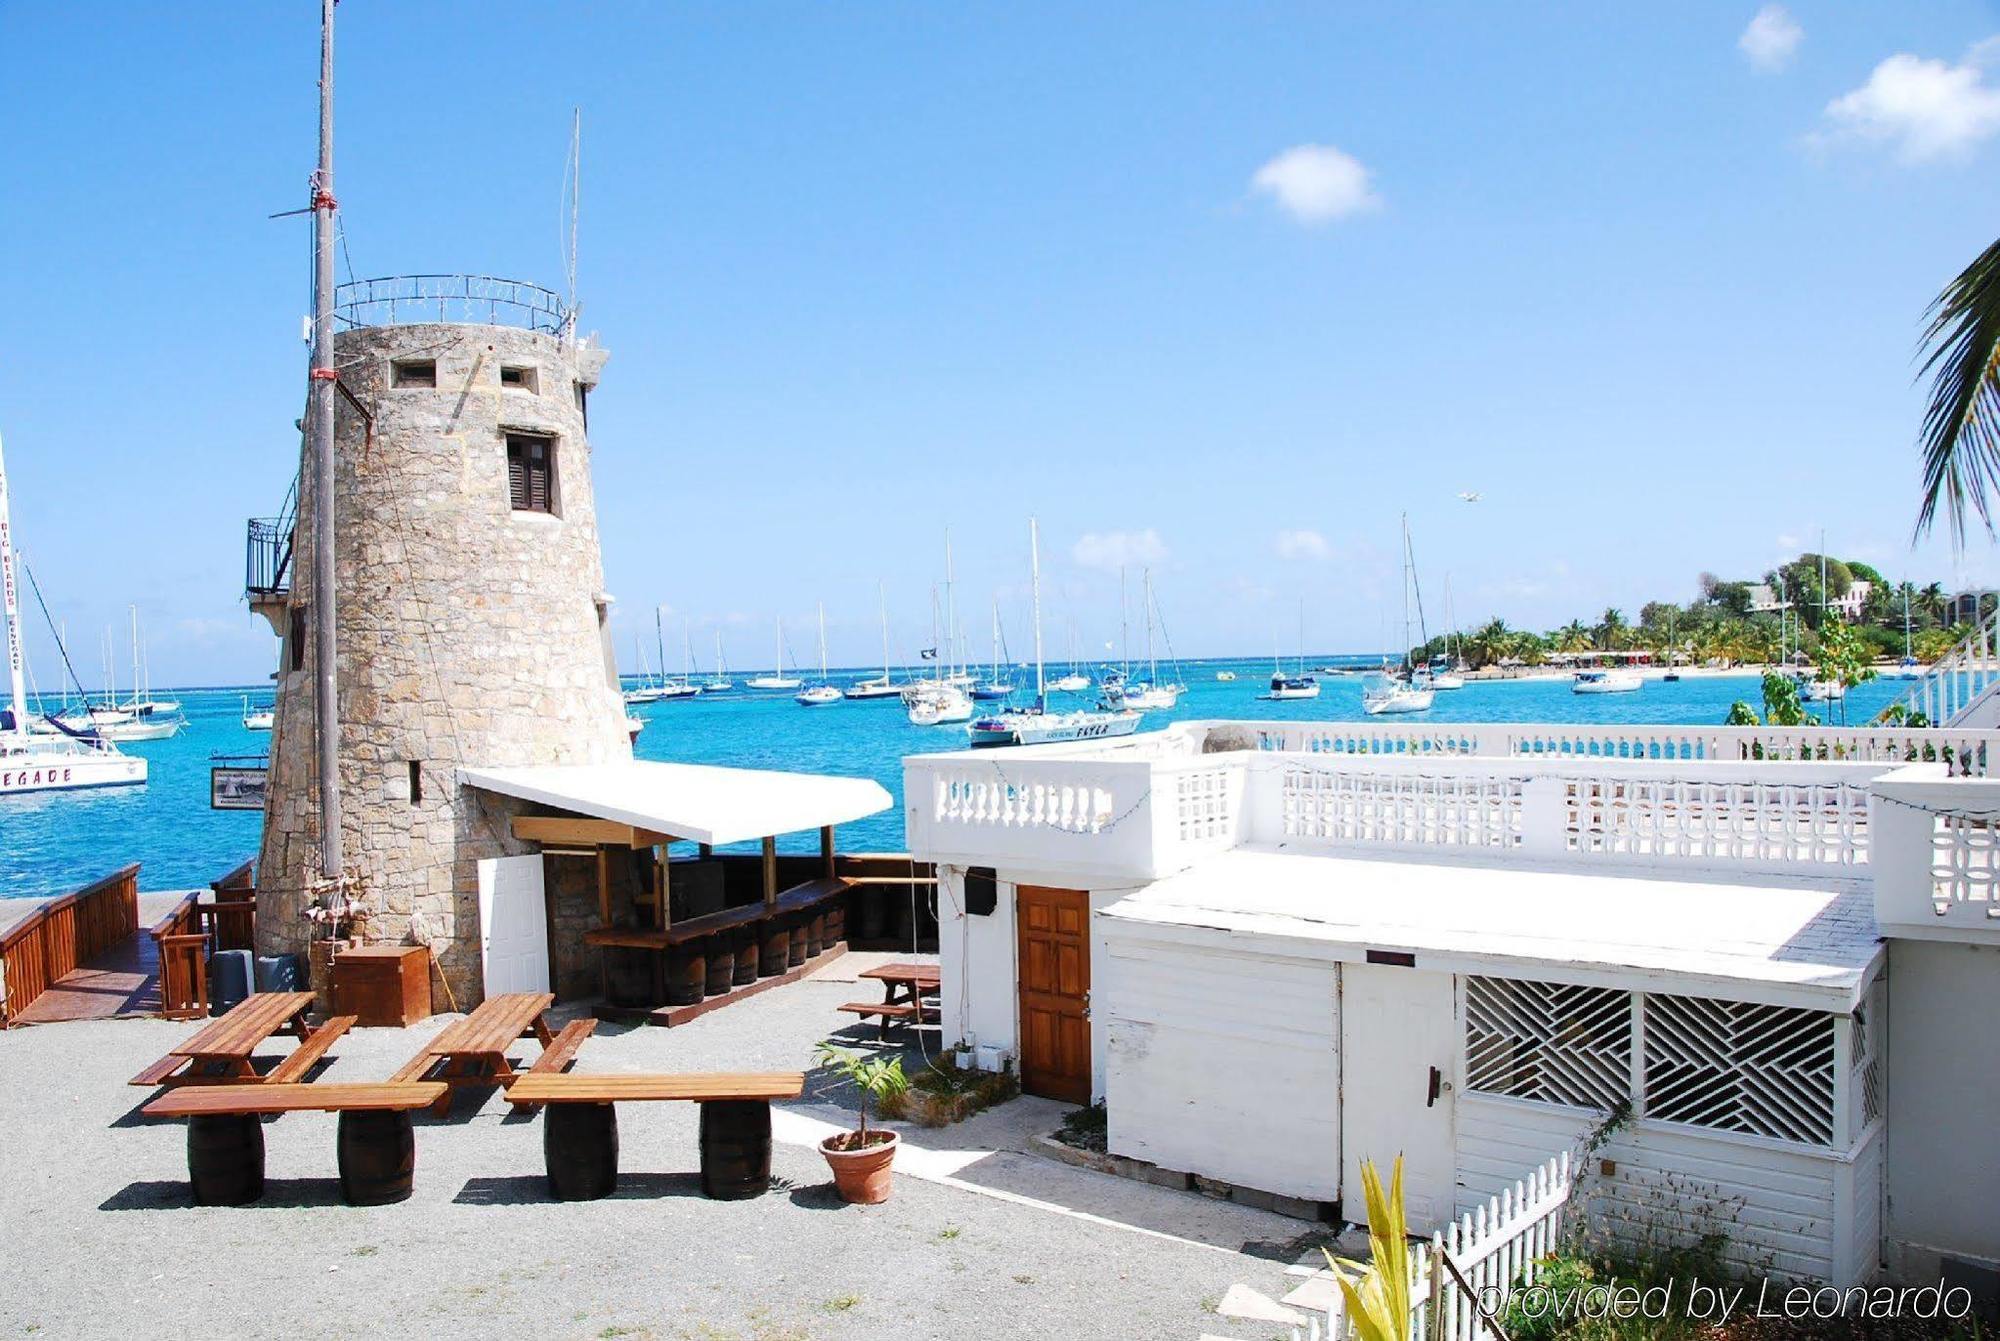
531 472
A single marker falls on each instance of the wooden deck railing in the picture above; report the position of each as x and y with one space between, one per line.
186 936
64 934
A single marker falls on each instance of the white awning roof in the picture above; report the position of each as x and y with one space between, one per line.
697 802
1790 943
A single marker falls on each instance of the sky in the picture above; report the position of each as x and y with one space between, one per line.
1221 290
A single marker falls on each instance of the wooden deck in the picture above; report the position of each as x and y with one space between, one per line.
124 980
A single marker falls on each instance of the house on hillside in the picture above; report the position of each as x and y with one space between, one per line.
1740 971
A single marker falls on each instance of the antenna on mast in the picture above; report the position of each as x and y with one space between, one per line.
573 192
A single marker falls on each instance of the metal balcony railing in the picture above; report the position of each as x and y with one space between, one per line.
267 549
403 300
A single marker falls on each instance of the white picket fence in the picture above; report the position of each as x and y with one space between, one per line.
1497 1249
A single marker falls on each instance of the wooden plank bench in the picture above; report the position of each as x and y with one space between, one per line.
580 1135
889 1010
376 1143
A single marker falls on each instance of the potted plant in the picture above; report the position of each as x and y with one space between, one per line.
860 1159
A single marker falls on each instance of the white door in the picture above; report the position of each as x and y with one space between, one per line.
513 925
1398 1062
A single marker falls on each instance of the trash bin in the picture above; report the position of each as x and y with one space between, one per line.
282 973
231 976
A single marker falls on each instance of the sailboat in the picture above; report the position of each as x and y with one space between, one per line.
137 718
1037 725
1447 669
1152 694
1298 684
821 694
1075 682
1400 693
684 687
36 764
996 685
261 718
648 689
883 685
720 681
1909 668
777 679
937 701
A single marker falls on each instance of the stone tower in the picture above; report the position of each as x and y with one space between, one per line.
471 618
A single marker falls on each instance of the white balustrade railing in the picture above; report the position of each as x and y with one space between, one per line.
1960 678
1937 861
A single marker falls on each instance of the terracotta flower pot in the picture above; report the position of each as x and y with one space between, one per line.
861 1176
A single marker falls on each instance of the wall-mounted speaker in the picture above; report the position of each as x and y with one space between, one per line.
982 891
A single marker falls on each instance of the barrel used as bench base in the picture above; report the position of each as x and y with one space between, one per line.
580 1150
226 1158
378 1158
735 1148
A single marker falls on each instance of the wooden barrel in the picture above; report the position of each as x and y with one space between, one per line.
870 911
378 1158
815 933
836 921
580 1150
687 976
774 949
745 956
795 934
902 918
721 966
735 1148
225 1158
631 974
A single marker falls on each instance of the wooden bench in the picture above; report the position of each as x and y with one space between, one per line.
889 1010
580 1135
179 1068
376 1143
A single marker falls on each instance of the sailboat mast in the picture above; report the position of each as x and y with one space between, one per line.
326 702
882 599
1035 587
950 606
1152 662
659 642
13 610
822 642
135 655
1124 626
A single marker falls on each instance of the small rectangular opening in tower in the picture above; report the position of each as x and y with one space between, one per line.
295 639
518 379
416 783
413 372
531 472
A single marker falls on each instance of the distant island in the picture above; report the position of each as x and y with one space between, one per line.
1743 622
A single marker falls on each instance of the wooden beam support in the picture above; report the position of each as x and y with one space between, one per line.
582 831
666 903
770 871
826 850
603 920
704 850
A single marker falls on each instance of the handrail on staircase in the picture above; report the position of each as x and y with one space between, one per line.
1961 678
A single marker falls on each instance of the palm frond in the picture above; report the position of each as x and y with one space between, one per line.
1961 434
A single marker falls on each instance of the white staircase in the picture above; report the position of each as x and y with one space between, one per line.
1963 688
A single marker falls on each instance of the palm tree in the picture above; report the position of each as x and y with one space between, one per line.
1932 603
1961 434
1610 627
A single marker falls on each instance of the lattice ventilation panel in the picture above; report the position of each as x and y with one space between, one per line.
1734 1066
1553 1042
1352 806
1740 821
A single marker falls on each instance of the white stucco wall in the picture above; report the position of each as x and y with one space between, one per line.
1944 1088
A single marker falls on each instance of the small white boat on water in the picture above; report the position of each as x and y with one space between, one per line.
718 683
1075 682
822 694
777 679
1389 697
1606 682
259 718
35 764
1285 686
1820 691
1225 675
936 703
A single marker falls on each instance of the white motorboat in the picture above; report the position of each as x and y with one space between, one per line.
31 763
1225 675
259 718
822 694
1606 682
1036 725
777 679
1389 697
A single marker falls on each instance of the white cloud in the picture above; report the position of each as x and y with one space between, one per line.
1772 38
1316 183
1302 544
1111 550
1924 109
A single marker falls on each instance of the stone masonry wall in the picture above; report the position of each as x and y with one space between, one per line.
468 633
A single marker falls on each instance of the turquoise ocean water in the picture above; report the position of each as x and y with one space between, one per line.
51 844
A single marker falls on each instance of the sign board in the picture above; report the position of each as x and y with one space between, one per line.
234 788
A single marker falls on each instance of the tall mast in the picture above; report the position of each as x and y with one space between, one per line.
1035 586
135 655
822 642
1124 626
326 701
660 641
1152 662
7 591
882 599
950 600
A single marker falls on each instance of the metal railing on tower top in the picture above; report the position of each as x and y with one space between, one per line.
405 300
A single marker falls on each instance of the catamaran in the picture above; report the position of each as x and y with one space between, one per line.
31 763
883 685
823 693
1037 725
777 679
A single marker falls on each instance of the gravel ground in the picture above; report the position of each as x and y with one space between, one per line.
98 1236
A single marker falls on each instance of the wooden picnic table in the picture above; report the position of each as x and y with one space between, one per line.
221 1049
904 989
474 1050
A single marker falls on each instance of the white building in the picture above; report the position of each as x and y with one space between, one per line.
1275 950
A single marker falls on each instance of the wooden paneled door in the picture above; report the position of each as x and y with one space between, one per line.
1053 927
